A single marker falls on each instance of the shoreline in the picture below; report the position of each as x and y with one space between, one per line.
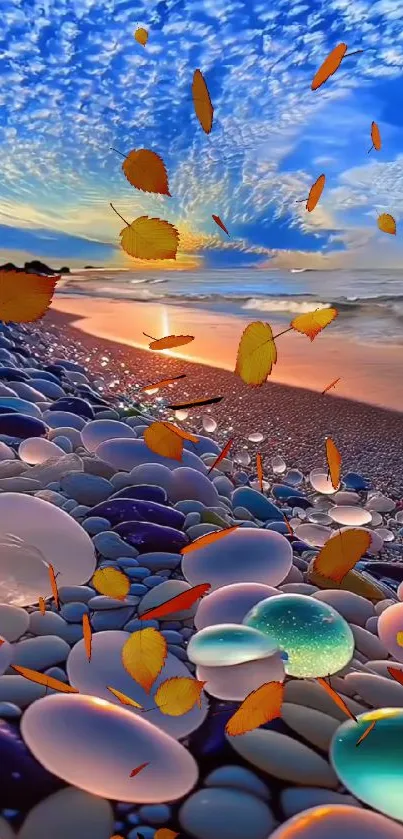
295 421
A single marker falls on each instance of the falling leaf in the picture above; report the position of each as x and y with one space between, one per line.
366 732
260 706
25 297
141 36
396 673
399 639
149 238
332 384
53 584
42 679
162 383
223 454
125 700
387 224
171 341
181 433
111 582
42 606
195 403
256 353
87 635
375 137
165 833
329 66
143 656
208 539
163 440
145 170
336 698
259 469
138 769
174 604
220 223
178 695
202 102
312 323
340 554
315 192
333 457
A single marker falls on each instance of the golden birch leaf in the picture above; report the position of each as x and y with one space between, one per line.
143 656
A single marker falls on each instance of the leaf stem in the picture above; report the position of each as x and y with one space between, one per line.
117 152
290 329
118 214
145 333
348 54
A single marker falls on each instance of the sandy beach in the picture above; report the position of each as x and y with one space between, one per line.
294 420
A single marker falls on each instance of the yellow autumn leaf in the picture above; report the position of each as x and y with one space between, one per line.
143 656
312 323
145 170
340 553
387 224
125 700
399 639
259 707
256 353
149 238
141 36
163 440
111 582
25 297
181 433
333 457
178 695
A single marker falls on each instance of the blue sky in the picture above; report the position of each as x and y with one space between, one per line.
74 82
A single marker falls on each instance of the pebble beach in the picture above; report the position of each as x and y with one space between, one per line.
80 490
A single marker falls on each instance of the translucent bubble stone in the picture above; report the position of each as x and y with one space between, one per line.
390 629
228 643
36 450
321 482
350 515
234 683
374 771
317 639
256 437
278 465
96 432
230 604
209 424
337 821
95 745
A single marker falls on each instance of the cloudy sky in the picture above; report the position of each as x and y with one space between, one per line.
74 82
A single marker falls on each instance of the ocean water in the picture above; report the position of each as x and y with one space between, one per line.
370 303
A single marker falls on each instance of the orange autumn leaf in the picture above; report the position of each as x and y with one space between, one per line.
178 695
399 638
87 636
289 528
138 769
165 833
223 454
53 584
396 673
145 170
161 440
315 192
260 706
256 353
220 223
25 297
170 342
162 383
387 224
329 386
329 66
333 457
143 656
202 102
375 137
259 469
340 554
366 732
181 601
181 433
111 582
141 36
208 539
42 679
125 700
149 238
42 606
336 698
311 323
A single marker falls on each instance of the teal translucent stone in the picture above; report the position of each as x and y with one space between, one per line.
227 644
373 770
317 640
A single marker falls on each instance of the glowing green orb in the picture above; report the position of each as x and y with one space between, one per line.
373 770
317 640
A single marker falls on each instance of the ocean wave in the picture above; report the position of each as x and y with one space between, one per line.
282 305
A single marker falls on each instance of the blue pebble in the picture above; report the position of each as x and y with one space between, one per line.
73 612
153 581
277 526
80 511
138 573
146 832
187 632
355 482
135 624
189 507
172 637
94 525
69 505
107 563
299 546
72 633
138 589
191 520
124 807
172 625
155 813
9 711
114 619
178 652
127 562
57 673
257 504
133 818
